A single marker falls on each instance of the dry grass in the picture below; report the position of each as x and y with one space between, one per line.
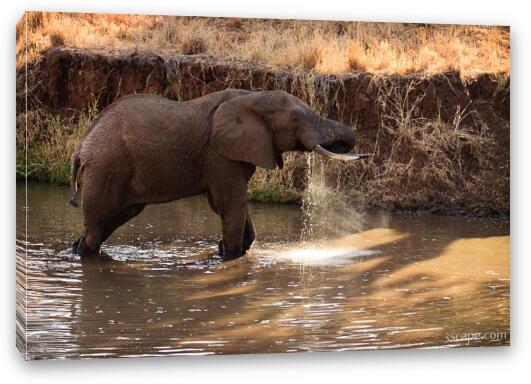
329 47
50 142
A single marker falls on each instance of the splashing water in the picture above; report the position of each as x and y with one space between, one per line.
327 212
307 200
319 255
327 215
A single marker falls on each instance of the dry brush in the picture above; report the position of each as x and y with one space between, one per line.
439 141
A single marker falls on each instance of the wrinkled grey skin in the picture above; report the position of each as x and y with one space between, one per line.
145 149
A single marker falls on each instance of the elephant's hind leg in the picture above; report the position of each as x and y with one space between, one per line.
102 199
96 234
89 243
100 230
76 244
120 219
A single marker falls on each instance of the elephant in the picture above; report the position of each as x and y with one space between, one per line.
146 149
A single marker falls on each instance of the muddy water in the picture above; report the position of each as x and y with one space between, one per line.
396 281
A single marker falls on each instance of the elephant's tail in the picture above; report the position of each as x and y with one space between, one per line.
75 168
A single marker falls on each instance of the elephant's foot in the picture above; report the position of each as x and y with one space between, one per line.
247 243
233 254
229 254
80 247
75 245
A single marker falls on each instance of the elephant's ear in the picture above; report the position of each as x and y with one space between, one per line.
239 133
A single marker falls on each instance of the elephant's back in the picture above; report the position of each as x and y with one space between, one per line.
149 143
140 111
145 120
153 144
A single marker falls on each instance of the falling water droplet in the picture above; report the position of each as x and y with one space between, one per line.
306 234
327 212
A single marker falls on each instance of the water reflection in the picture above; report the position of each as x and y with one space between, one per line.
400 281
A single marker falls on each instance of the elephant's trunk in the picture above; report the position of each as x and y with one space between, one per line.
335 140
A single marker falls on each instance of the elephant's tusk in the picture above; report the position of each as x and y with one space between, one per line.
340 156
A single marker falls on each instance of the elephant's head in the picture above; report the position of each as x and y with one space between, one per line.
258 127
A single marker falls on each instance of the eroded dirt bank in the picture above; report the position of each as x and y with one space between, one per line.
439 143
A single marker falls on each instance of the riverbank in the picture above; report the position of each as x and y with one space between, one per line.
438 142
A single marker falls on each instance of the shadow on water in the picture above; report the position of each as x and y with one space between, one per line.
400 281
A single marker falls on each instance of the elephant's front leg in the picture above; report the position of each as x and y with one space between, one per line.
227 194
233 221
249 234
